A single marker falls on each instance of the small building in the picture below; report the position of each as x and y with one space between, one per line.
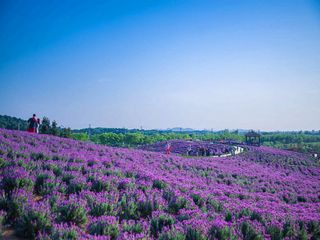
253 138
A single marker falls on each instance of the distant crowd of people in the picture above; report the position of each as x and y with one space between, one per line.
201 151
33 124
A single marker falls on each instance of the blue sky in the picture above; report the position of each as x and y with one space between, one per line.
160 64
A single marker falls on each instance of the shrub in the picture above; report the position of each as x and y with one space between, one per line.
159 184
91 163
99 185
72 212
248 233
198 200
228 216
16 178
74 167
274 232
133 228
288 229
172 235
128 209
125 184
54 168
313 227
67 177
303 234
158 223
256 216
216 205
168 195
3 163
44 184
64 232
98 209
176 204
129 174
38 156
106 226
244 212
301 199
15 204
221 233
77 185
34 219
145 208
194 234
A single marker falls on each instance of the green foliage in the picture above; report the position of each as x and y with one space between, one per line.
32 222
3 163
100 209
158 223
13 123
54 128
228 216
135 228
274 232
45 126
72 213
159 184
313 227
133 138
216 205
248 233
111 139
14 207
288 229
80 136
194 234
244 212
176 204
101 227
128 209
11 183
100 185
65 234
67 177
303 234
145 208
40 156
221 233
198 200
172 235
44 184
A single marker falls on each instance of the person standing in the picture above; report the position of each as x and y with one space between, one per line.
189 150
38 125
168 148
33 124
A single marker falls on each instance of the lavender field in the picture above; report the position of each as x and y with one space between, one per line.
181 147
55 188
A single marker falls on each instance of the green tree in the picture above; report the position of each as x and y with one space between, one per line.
45 126
54 128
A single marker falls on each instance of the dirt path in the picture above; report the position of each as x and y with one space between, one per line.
8 234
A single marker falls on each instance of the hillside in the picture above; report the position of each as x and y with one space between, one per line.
56 188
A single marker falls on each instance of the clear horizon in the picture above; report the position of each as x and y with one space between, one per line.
163 64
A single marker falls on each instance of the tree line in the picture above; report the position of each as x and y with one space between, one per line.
301 141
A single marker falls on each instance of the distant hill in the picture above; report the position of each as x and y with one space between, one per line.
12 123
